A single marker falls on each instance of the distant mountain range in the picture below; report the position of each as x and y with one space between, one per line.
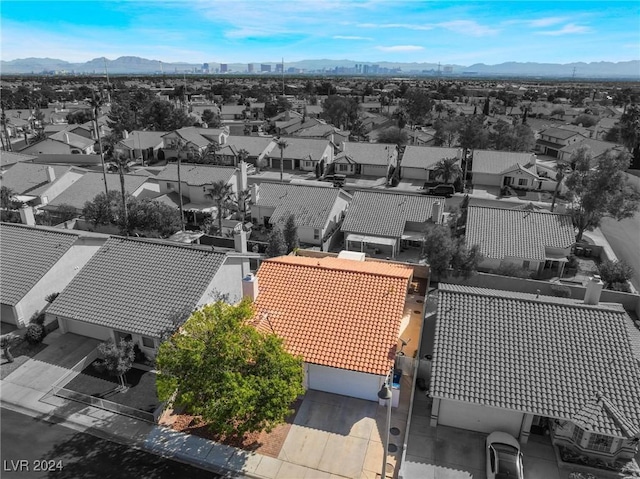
136 65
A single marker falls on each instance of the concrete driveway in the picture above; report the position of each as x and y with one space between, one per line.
341 436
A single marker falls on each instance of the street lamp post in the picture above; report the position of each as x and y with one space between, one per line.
385 394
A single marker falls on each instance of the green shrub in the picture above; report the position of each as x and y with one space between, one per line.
34 334
510 269
573 262
615 272
50 298
561 291
37 318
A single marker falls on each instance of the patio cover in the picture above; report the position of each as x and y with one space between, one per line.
556 257
371 239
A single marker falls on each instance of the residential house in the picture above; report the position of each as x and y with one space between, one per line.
507 168
387 223
525 363
343 316
597 148
323 130
195 140
137 289
91 184
142 144
257 148
196 181
318 211
418 162
551 140
234 112
302 154
62 142
38 184
533 240
10 158
367 159
36 262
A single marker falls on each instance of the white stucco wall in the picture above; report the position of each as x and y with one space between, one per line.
342 381
228 280
374 170
414 173
475 417
486 179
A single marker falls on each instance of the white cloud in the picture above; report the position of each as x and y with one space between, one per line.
400 48
468 27
348 37
568 29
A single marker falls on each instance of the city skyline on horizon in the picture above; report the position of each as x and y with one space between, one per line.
363 31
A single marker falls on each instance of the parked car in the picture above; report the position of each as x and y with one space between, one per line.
440 190
504 459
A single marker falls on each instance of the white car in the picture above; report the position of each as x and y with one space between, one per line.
504 459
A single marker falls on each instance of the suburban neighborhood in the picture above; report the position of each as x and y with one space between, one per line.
347 276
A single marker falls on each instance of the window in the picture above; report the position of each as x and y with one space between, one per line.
148 342
576 437
508 180
526 264
254 263
343 167
598 442
316 234
522 182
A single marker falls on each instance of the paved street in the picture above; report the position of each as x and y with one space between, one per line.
80 455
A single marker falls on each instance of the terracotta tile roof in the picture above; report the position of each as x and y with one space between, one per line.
138 286
386 214
502 233
495 162
25 177
92 184
334 312
551 357
310 205
197 175
426 156
27 254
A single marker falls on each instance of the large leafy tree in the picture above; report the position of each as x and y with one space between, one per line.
219 367
508 137
277 246
116 359
629 130
603 191
393 135
161 115
445 253
341 111
417 104
446 131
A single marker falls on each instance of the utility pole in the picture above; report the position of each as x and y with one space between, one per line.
282 76
106 72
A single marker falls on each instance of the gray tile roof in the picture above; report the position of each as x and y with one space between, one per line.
301 148
27 254
426 156
72 139
559 133
92 184
516 233
197 175
550 357
255 145
143 139
23 178
368 153
310 205
138 286
386 214
495 162
9 158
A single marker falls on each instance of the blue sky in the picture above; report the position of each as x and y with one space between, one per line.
230 31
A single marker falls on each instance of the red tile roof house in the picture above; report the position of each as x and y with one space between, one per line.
318 211
342 316
301 154
534 240
418 162
36 262
138 288
368 159
197 180
387 223
506 361
38 184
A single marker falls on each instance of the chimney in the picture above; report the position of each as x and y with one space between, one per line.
242 176
66 138
594 289
125 133
26 215
436 212
240 241
51 174
255 193
250 286
344 146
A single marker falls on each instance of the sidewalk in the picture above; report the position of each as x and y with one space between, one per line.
27 393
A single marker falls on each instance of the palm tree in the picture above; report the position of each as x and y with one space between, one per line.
220 192
282 144
180 146
96 103
241 199
561 171
242 156
122 163
447 169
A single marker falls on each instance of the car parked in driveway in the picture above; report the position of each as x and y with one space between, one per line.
504 458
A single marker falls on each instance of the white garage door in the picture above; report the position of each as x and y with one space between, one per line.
341 381
89 330
479 418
